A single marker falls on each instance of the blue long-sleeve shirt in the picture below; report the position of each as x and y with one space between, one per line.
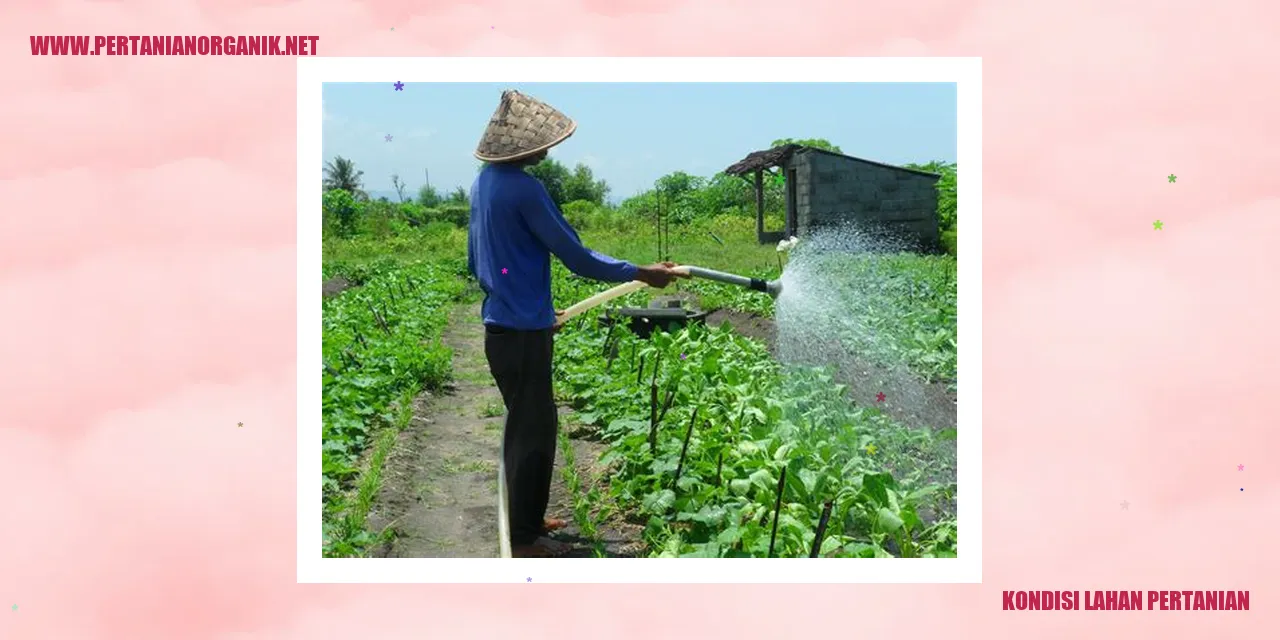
515 227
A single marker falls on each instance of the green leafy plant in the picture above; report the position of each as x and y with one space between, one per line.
380 344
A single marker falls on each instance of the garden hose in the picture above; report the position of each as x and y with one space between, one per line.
771 287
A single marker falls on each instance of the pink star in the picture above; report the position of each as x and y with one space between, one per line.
880 397
1240 467
504 271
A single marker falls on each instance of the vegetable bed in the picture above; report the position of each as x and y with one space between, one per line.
381 345
702 425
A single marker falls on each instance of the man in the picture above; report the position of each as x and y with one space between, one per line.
515 227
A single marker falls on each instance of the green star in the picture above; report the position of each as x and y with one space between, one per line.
1158 225
1173 178
15 607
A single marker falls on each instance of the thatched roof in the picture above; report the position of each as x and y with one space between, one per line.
766 159
777 156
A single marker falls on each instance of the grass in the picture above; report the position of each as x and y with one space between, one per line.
493 408
588 511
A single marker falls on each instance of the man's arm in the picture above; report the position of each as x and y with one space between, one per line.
550 227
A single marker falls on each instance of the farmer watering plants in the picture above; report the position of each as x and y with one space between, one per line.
515 227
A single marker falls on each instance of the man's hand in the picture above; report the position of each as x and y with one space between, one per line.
559 323
659 275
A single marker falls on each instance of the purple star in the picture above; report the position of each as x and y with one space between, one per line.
1240 467
504 271
399 86
528 579
388 137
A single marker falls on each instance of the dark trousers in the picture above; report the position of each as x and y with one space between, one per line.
520 362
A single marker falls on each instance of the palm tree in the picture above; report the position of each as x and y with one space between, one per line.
342 174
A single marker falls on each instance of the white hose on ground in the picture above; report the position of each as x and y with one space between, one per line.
599 299
772 288
504 524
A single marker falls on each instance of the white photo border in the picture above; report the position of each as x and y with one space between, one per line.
966 73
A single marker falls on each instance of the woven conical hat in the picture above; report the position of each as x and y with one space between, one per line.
521 127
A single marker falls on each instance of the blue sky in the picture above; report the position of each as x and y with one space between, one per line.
631 134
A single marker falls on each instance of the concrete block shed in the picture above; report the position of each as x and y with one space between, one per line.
827 188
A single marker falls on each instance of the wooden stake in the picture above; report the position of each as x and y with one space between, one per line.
822 530
684 450
381 323
653 419
777 507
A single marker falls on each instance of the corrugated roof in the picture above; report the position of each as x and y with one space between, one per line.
777 156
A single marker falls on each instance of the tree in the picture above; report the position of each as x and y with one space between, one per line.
553 176
566 186
429 197
582 185
946 188
678 183
398 184
341 174
458 196
816 143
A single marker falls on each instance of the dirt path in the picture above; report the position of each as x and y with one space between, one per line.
439 493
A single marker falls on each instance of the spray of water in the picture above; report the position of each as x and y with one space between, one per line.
826 316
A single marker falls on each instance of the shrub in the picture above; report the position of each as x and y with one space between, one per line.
453 213
949 241
580 213
339 212
439 228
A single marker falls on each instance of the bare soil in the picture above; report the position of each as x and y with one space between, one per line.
334 286
440 490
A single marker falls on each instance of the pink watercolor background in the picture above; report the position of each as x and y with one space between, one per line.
147 290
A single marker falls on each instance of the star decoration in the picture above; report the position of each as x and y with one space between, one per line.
239 424
1173 178
399 86
504 271
388 137
528 579
1125 505
880 397
1239 467
682 356
871 449
1158 225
